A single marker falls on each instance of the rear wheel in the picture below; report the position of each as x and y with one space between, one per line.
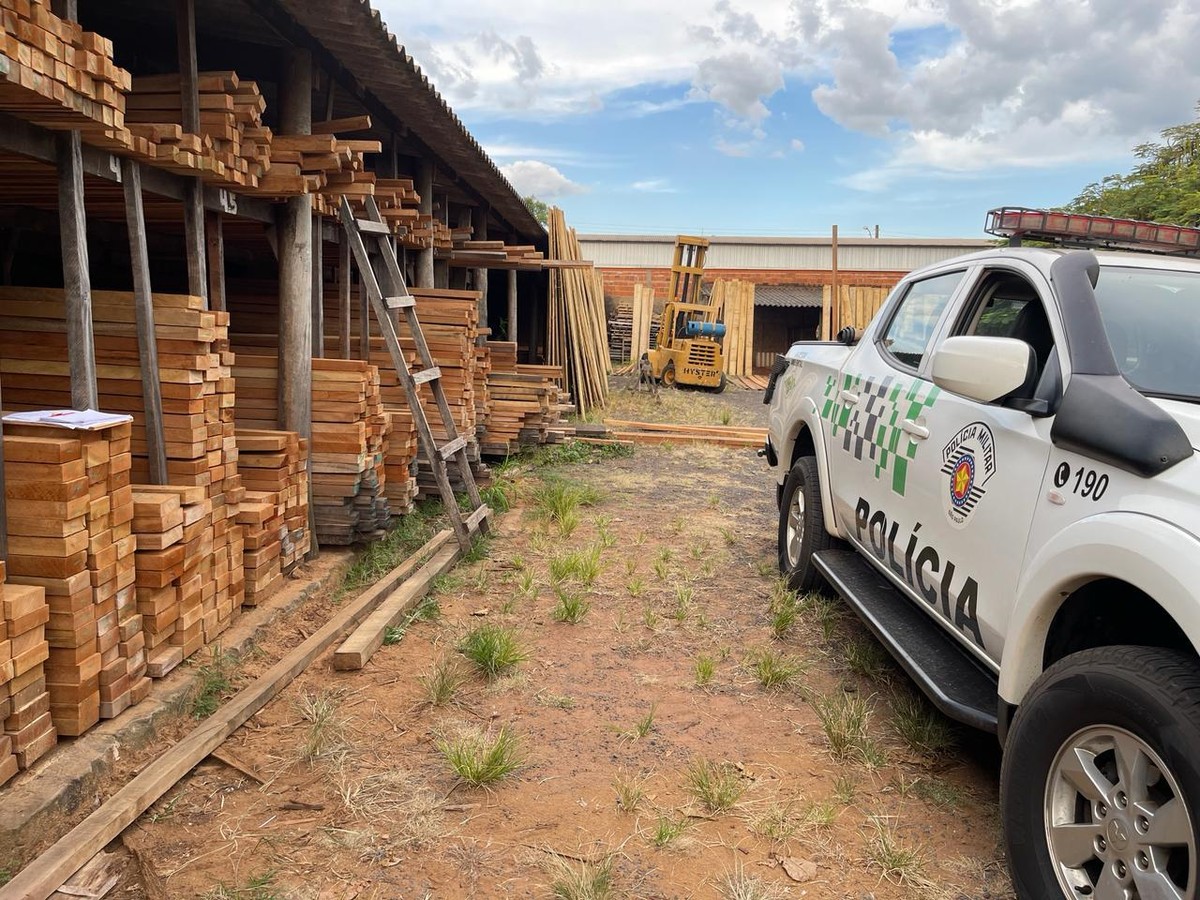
721 385
802 525
668 375
1101 783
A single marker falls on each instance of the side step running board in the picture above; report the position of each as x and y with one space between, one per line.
953 681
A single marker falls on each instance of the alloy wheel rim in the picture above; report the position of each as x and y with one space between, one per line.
795 527
1117 824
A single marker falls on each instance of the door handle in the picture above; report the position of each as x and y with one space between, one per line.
849 397
920 432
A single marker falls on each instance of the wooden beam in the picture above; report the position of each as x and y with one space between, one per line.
364 323
479 224
46 874
360 646
344 295
143 305
834 305
295 240
77 279
214 230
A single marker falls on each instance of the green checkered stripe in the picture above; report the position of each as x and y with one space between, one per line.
871 428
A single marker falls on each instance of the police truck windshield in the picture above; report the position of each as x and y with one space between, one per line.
1152 318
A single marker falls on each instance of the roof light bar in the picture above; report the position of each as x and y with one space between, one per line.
1073 229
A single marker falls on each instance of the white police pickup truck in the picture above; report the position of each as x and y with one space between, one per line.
998 477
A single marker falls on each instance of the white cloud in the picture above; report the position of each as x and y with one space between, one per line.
998 83
654 186
797 145
539 179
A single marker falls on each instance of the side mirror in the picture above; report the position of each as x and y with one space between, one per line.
983 368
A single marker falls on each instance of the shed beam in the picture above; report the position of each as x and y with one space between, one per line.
143 304
295 259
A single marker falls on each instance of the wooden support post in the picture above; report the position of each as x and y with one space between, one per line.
3 502
364 324
76 278
344 294
295 259
193 195
441 267
143 306
425 189
511 331
214 228
479 225
834 300
318 288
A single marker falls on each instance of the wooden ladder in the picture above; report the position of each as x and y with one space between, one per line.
374 228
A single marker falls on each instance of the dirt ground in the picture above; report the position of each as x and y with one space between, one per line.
651 758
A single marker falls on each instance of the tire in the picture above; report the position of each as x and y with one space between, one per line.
795 557
1148 700
721 385
668 375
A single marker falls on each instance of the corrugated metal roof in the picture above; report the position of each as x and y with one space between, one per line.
356 35
794 296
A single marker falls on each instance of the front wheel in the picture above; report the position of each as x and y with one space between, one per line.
1100 785
801 525
668 375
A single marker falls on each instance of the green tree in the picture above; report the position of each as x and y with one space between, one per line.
1164 185
539 208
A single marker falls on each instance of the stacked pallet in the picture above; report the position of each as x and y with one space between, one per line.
526 408
575 335
222 151
55 74
24 703
274 511
349 431
69 518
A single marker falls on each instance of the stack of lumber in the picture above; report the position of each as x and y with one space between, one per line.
735 300
274 512
853 306
180 578
401 446
55 74
636 328
24 703
70 513
526 407
321 165
575 337
348 442
232 147
495 255
483 398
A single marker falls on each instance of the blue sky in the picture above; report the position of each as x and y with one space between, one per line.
777 118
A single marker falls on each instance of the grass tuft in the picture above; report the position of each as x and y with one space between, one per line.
717 786
257 887
845 719
740 885
642 726
630 791
704 669
899 862
667 830
571 607
214 681
558 501
582 880
480 759
866 657
494 649
583 566
441 683
774 670
326 732
922 727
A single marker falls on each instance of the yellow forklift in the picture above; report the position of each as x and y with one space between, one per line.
687 350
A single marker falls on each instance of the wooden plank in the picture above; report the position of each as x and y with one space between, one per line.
357 649
214 231
48 872
135 219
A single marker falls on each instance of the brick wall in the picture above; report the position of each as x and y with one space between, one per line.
619 282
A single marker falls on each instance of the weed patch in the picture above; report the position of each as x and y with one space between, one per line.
494 649
480 759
